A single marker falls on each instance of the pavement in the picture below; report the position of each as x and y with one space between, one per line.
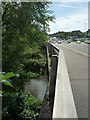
64 106
81 48
76 57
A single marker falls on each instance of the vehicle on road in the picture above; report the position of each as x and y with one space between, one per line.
78 42
53 42
69 41
87 41
59 42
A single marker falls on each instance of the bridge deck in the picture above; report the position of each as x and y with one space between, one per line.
77 66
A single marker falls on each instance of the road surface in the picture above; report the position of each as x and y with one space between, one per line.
81 48
76 56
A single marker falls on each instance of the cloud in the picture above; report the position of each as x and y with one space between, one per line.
69 6
70 0
70 23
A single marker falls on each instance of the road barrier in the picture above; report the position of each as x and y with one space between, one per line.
64 106
60 96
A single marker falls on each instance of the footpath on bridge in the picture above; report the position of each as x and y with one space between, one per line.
77 66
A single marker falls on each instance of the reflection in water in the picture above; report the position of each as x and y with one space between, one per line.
37 87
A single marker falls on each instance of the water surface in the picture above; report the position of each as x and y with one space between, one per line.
37 87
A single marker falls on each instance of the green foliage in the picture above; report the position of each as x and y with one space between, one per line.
24 30
9 75
65 35
7 83
35 64
3 78
24 27
21 106
32 75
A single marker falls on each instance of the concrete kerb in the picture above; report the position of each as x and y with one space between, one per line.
64 106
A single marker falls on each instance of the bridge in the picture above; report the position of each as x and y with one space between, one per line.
67 92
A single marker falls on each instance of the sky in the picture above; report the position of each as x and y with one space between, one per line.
69 15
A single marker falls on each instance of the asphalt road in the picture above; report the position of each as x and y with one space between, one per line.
82 48
76 56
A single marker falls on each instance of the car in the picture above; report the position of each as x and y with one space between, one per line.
53 42
87 41
69 41
59 42
78 42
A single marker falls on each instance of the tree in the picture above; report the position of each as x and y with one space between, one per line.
24 29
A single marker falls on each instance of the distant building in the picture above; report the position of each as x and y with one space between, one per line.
89 15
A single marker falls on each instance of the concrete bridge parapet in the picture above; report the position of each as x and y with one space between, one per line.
58 101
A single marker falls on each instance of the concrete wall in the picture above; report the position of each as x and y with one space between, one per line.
58 101
48 102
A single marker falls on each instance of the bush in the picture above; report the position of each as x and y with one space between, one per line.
20 106
34 65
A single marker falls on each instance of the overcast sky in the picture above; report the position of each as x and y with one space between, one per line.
70 15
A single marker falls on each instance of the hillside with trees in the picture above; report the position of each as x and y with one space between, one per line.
65 35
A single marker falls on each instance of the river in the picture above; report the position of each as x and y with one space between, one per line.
37 87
